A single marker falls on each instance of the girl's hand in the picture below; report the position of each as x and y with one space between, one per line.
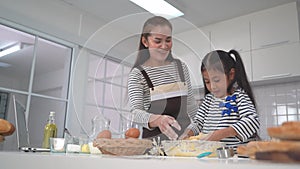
214 136
220 134
165 124
186 134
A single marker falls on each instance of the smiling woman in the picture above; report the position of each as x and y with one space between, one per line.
159 86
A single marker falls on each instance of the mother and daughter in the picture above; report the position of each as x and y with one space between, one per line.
159 90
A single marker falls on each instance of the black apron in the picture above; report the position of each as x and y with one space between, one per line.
172 106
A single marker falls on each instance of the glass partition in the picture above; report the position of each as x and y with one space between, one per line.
16 56
36 70
52 68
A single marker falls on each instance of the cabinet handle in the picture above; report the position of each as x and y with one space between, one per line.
277 76
274 44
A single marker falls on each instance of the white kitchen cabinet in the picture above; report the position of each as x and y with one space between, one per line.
191 46
276 62
247 60
231 34
275 26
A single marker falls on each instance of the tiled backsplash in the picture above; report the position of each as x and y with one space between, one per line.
276 103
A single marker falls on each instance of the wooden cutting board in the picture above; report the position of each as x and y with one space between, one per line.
277 156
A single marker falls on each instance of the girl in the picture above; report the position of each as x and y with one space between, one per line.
228 112
159 87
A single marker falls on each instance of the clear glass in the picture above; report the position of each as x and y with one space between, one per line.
96 67
126 123
15 68
94 92
58 145
112 96
52 69
113 72
99 124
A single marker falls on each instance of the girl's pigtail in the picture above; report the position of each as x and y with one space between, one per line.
240 74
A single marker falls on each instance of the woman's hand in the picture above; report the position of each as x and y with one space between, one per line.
165 124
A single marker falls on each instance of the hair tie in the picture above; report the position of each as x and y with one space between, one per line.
232 56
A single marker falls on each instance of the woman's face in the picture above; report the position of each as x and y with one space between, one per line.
159 42
216 82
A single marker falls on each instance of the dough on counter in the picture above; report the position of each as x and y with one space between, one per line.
200 136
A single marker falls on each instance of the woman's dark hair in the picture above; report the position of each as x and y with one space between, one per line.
224 62
143 52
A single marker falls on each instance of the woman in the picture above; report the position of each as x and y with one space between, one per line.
159 86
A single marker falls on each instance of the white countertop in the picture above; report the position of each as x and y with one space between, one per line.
19 160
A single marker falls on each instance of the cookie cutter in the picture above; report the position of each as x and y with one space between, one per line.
225 152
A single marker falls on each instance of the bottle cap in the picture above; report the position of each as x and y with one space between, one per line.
52 113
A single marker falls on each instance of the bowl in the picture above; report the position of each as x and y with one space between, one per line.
190 148
123 147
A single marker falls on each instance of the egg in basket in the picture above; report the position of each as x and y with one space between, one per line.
128 146
122 146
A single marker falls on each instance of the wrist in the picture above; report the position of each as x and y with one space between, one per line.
190 133
153 120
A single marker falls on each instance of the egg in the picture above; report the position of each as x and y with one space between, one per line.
104 134
132 133
85 148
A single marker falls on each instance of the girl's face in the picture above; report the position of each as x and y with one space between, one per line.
217 82
159 42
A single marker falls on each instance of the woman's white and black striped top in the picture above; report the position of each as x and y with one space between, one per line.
139 93
245 121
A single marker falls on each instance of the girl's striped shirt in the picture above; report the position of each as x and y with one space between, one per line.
245 121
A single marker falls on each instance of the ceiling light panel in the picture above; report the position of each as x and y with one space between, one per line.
159 7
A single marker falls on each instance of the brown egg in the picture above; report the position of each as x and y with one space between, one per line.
104 134
132 133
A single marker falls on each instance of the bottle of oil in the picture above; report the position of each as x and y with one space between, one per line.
50 130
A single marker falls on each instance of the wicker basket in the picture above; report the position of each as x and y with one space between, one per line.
123 147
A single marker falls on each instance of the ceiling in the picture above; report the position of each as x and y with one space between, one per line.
197 12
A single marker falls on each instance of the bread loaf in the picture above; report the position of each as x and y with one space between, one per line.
287 131
287 136
295 124
6 128
262 146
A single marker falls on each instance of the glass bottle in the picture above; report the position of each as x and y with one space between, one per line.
50 130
